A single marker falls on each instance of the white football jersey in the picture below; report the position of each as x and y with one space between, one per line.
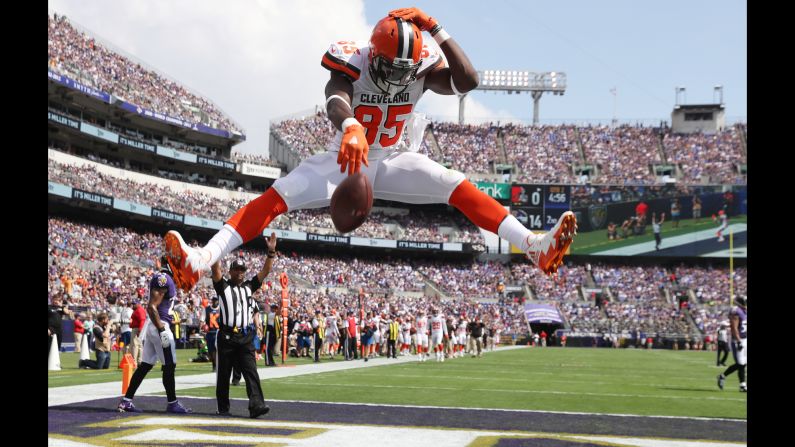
438 325
421 323
382 115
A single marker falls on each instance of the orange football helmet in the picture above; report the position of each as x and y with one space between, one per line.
395 48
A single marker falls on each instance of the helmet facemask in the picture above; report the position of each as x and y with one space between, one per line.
391 76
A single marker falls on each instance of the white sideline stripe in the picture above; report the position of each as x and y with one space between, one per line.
441 407
674 241
63 395
499 390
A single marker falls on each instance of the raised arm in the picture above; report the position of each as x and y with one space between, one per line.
460 77
269 261
217 275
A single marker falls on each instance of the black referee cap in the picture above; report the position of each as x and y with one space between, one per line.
237 264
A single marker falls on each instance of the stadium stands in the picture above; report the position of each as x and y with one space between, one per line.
707 157
467 148
547 154
90 263
542 154
79 55
624 153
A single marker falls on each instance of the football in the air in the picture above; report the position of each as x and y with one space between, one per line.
351 202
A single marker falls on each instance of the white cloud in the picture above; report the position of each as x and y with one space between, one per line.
256 60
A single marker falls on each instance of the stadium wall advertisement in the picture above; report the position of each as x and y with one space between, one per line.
419 245
60 119
499 191
107 98
130 207
160 150
203 223
63 80
176 155
59 190
168 215
99 133
285 234
542 313
93 197
137 144
260 171
215 162
365 242
175 121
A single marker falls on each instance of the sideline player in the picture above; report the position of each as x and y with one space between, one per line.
371 92
438 334
461 336
738 317
158 342
421 325
724 224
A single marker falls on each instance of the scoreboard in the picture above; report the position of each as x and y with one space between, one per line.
538 207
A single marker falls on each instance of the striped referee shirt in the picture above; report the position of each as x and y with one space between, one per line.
236 305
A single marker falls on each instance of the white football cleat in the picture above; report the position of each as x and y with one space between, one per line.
547 251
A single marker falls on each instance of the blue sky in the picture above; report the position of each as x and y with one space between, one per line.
642 48
260 60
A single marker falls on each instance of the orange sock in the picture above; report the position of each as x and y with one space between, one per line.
476 205
251 220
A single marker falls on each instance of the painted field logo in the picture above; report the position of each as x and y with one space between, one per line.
499 191
192 431
598 216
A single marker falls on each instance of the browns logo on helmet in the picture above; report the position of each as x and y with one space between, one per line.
395 49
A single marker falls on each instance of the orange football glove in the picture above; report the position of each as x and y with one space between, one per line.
425 22
353 150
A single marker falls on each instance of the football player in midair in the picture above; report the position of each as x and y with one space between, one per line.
371 93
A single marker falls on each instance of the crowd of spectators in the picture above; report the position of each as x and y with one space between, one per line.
467 148
712 292
187 202
95 267
547 154
624 153
80 56
542 154
306 136
465 280
255 159
707 158
640 301
141 136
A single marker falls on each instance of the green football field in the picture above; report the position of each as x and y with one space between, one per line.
625 381
595 241
71 375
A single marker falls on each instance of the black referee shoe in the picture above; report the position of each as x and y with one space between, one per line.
259 411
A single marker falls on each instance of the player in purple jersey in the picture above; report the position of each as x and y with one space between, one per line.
738 317
158 341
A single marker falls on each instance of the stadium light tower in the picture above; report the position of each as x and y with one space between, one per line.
517 81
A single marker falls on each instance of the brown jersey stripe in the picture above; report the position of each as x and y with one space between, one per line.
333 63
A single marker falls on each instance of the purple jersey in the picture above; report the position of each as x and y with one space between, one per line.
743 324
162 280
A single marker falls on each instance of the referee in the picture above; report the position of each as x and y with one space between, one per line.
237 330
